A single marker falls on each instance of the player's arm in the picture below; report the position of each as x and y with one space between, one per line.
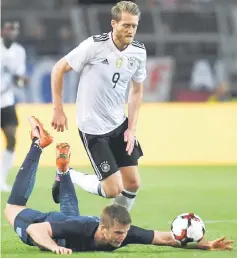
41 233
19 78
57 76
134 103
137 235
219 244
20 81
166 239
76 60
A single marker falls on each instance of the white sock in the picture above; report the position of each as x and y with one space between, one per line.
6 165
87 182
125 199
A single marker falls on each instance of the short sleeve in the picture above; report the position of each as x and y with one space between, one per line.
21 62
140 74
81 55
138 235
67 228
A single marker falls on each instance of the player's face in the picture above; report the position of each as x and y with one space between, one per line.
116 234
10 31
125 29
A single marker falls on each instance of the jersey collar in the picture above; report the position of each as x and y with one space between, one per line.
4 46
114 45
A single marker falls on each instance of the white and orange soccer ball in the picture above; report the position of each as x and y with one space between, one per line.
187 227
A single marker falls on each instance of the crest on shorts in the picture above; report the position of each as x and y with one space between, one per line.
131 63
105 167
19 232
119 62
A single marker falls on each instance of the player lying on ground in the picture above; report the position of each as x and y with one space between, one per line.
66 231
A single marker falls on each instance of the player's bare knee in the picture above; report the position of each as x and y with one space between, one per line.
113 185
133 185
112 190
11 211
131 178
8 212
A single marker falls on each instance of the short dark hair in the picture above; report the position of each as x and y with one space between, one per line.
115 213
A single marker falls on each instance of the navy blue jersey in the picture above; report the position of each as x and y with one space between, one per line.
79 232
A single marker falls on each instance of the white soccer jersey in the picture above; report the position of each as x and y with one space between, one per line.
105 73
12 63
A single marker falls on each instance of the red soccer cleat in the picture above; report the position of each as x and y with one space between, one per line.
38 131
63 154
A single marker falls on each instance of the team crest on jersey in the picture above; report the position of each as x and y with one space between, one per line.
131 63
105 167
119 63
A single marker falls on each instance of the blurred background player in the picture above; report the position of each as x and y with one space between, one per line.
13 70
107 64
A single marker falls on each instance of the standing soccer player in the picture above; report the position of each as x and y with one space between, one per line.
12 75
107 64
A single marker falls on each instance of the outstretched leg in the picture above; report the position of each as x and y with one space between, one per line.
25 179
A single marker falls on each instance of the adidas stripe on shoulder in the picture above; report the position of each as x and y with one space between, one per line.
138 44
102 37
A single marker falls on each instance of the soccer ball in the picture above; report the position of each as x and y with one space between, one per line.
186 228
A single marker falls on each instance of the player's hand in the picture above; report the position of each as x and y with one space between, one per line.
20 81
221 244
62 250
129 137
59 121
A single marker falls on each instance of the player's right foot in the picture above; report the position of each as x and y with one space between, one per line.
63 154
62 161
38 131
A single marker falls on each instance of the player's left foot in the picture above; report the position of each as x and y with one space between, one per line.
63 153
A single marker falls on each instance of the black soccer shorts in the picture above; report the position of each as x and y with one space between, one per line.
8 116
107 152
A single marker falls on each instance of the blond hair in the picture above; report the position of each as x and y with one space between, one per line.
126 7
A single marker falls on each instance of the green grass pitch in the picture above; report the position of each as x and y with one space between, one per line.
210 192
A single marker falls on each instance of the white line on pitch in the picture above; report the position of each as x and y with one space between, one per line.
220 221
216 221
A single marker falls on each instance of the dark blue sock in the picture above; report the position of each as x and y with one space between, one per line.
25 179
67 196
